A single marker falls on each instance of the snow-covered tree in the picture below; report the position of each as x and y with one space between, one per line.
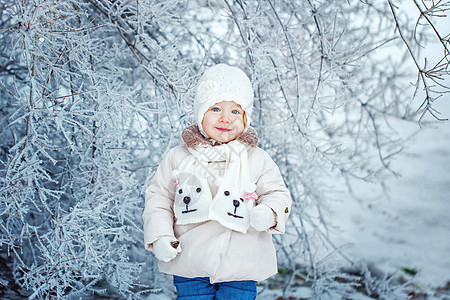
94 92
69 198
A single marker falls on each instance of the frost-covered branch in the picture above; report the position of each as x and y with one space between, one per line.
438 72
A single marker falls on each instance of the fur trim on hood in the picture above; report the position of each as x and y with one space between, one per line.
193 137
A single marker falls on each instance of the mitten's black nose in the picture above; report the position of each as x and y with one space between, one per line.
236 203
186 200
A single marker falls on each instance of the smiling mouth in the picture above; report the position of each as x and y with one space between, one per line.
223 129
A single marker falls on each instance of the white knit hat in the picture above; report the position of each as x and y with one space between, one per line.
223 83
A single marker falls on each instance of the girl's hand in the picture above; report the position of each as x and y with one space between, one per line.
262 217
166 248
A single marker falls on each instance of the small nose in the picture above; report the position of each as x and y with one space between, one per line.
225 118
186 200
236 203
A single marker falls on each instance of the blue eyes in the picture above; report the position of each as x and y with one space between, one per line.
234 111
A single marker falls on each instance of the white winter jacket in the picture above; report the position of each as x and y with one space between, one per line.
208 248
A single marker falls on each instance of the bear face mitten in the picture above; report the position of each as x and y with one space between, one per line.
192 198
231 211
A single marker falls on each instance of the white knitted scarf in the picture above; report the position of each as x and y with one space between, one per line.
235 195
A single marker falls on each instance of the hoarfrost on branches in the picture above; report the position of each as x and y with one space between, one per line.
94 93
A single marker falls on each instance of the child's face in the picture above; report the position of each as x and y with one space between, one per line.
224 121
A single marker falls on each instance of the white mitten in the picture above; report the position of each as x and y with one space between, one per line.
262 217
166 248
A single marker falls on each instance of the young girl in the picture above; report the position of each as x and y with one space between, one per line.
215 201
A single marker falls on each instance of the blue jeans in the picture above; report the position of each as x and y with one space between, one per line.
201 289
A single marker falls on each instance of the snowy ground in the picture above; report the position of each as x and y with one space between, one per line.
411 229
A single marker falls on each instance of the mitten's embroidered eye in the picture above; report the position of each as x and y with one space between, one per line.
180 191
198 190
227 193
242 200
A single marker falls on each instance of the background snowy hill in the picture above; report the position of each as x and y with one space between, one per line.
410 228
